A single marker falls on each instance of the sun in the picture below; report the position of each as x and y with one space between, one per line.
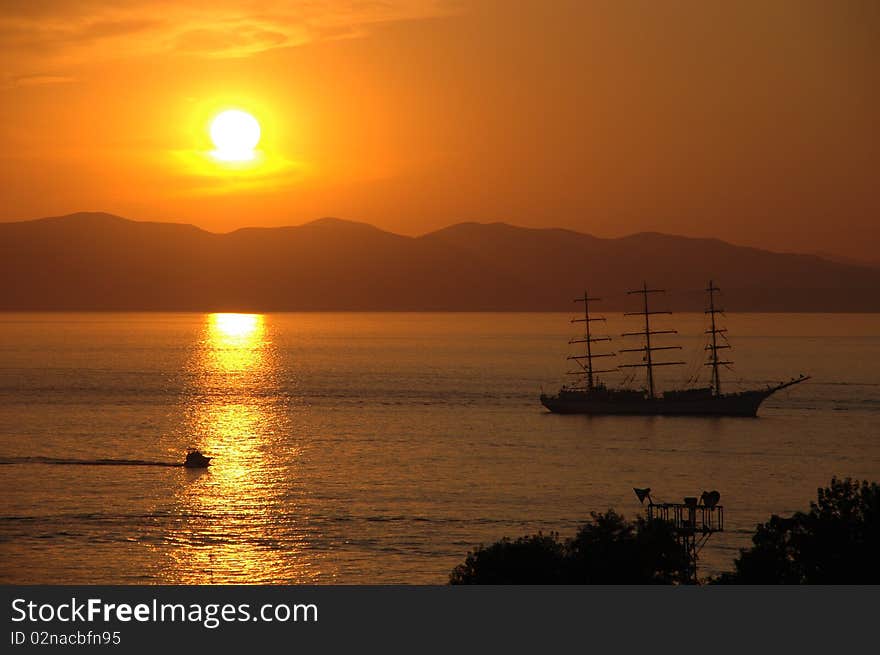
235 134
235 326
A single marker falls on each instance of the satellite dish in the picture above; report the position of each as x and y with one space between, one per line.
710 498
641 494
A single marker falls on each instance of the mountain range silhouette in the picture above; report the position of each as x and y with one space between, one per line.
98 261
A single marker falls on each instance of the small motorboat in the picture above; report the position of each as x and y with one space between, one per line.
195 459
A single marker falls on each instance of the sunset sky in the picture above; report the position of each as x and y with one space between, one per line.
755 122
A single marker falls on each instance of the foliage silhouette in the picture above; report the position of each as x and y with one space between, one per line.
607 550
534 559
611 550
836 542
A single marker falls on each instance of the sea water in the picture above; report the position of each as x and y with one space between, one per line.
381 447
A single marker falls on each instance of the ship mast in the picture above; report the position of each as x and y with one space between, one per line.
586 360
714 347
649 362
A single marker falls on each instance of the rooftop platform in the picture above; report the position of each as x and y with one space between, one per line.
689 518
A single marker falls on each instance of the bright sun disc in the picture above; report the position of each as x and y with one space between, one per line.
235 133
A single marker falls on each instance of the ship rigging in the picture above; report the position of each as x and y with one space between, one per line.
592 396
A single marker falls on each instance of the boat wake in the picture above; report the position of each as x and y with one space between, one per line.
85 462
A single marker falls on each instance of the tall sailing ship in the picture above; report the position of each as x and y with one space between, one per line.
592 396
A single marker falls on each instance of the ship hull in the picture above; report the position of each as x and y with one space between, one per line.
745 403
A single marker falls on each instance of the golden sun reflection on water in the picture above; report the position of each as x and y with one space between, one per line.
239 523
235 328
235 343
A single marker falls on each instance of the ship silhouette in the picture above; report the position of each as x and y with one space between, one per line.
592 396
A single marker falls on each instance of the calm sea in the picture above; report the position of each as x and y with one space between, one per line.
380 448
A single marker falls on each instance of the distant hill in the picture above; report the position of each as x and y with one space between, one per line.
96 261
851 261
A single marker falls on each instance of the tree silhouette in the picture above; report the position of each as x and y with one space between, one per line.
607 550
534 559
836 542
611 550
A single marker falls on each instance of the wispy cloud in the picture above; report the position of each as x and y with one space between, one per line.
241 41
38 79
34 32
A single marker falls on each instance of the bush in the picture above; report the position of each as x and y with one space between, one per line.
536 559
836 542
611 550
608 550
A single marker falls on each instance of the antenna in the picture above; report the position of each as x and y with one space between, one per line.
647 332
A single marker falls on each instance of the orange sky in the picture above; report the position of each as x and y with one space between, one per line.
754 122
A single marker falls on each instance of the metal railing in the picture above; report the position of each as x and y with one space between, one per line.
689 517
